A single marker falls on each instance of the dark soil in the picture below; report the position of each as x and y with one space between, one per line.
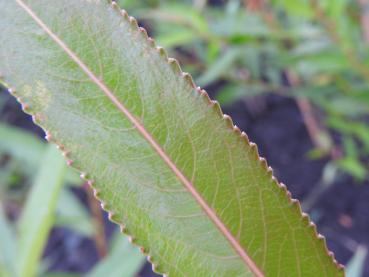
341 213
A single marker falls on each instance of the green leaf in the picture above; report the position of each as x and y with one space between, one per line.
38 213
125 260
170 169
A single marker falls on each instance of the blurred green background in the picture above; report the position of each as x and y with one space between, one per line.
251 55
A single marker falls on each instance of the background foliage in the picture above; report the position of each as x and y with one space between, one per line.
314 52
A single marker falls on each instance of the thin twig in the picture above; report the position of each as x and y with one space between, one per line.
98 221
317 133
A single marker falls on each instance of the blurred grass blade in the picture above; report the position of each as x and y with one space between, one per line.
220 67
21 145
355 267
38 214
72 214
7 246
28 148
125 260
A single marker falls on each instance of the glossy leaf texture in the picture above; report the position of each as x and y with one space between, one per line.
167 165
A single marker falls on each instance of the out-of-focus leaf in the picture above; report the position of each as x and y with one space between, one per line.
39 212
321 63
124 260
297 8
241 27
21 145
29 149
231 93
176 37
174 14
169 167
355 267
350 162
72 214
221 66
8 255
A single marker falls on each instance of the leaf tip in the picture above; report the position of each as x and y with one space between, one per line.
70 162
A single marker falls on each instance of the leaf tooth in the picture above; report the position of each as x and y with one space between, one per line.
25 107
254 150
162 52
143 250
105 206
70 162
269 171
228 120
264 164
213 103
133 22
143 32
237 130
204 94
217 109
154 265
124 14
48 136
245 137
122 228
37 118
188 79
151 42
114 217
91 182
115 5
13 92
61 147
83 176
175 65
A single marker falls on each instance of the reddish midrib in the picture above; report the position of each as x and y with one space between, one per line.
207 209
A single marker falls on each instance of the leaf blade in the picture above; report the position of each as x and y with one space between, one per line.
217 159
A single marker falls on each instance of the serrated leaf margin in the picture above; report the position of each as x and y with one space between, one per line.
37 118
